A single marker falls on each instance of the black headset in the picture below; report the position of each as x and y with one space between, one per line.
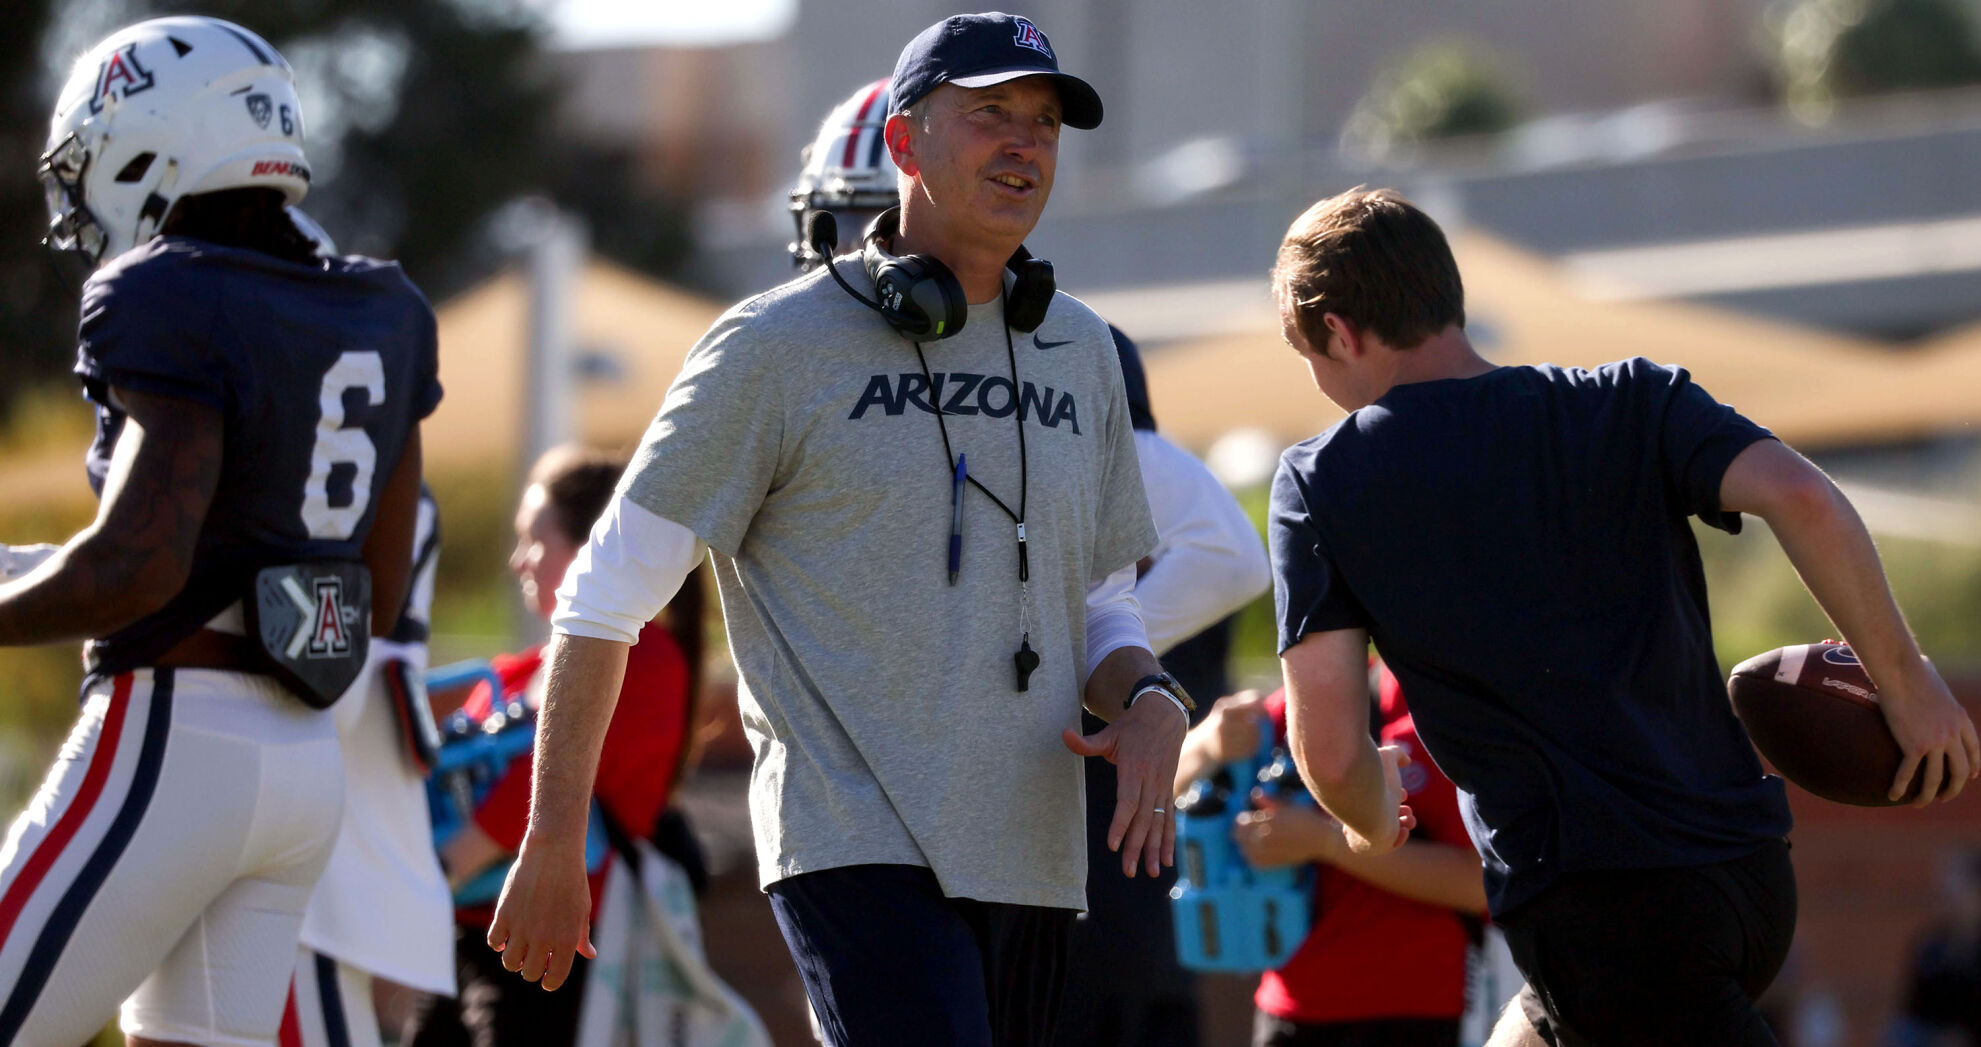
917 294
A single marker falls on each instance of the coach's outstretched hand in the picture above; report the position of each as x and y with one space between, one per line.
1143 742
544 917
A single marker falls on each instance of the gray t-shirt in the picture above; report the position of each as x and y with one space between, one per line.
800 443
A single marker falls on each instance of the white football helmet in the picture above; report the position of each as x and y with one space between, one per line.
163 109
846 169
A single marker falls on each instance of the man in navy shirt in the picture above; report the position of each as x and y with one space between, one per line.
1515 540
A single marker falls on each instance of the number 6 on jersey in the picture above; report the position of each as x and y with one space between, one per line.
337 445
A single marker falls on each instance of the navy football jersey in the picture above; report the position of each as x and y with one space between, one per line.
321 372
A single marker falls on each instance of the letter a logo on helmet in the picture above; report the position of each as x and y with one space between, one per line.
120 72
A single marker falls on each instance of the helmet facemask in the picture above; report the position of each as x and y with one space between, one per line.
71 226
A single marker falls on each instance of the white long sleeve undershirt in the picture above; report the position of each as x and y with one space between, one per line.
1210 561
633 564
635 561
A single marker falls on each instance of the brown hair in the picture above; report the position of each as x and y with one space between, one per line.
1374 259
578 483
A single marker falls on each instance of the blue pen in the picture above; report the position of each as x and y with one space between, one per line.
956 520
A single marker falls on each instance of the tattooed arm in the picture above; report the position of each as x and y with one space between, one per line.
138 553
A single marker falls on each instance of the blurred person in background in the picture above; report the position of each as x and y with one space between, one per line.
1385 962
1943 987
170 854
1124 984
916 791
1125 987
1516 542
646 750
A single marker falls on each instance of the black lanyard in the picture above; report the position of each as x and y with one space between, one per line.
1025 660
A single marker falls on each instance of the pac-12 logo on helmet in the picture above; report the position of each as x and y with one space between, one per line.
846 168
156 112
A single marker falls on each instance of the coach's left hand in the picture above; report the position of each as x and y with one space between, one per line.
1143 743
544 917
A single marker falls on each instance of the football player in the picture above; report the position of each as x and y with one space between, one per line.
846 170
258 461
381 909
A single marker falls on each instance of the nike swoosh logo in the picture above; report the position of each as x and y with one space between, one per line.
1043 344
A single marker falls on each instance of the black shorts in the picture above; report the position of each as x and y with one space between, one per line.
889 961
1656 957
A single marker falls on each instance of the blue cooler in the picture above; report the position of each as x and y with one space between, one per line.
1229 916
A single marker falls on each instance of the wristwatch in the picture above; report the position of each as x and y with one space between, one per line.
1163 682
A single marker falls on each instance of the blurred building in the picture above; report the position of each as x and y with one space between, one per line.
701 123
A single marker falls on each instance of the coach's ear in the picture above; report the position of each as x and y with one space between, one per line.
901 143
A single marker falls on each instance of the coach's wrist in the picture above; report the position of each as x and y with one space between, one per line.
1161 696
1168 687
552 835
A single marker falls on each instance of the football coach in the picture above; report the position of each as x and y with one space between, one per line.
914 470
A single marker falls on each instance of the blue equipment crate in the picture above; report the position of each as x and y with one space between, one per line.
1230 917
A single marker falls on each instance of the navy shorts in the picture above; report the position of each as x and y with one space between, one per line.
889 961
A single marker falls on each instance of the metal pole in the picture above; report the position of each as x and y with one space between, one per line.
553 255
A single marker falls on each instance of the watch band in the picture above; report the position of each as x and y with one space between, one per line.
1164 691
1167 684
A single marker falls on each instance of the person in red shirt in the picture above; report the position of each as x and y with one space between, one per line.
645 748
1385 962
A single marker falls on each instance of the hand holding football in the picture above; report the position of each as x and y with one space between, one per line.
1813 712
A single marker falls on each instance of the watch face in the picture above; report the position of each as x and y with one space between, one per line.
1176 686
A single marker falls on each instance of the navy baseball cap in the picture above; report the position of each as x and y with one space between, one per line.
985 49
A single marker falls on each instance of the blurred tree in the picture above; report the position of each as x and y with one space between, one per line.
1831 49
37 317
423 117
1443 90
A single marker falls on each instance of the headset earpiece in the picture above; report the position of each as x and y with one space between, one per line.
922 299
1031 291
918 295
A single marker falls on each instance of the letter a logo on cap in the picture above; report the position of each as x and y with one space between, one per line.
1029 36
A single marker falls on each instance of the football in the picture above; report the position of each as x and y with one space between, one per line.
1813 712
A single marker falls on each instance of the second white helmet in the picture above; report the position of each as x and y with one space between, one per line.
160 110
847 167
